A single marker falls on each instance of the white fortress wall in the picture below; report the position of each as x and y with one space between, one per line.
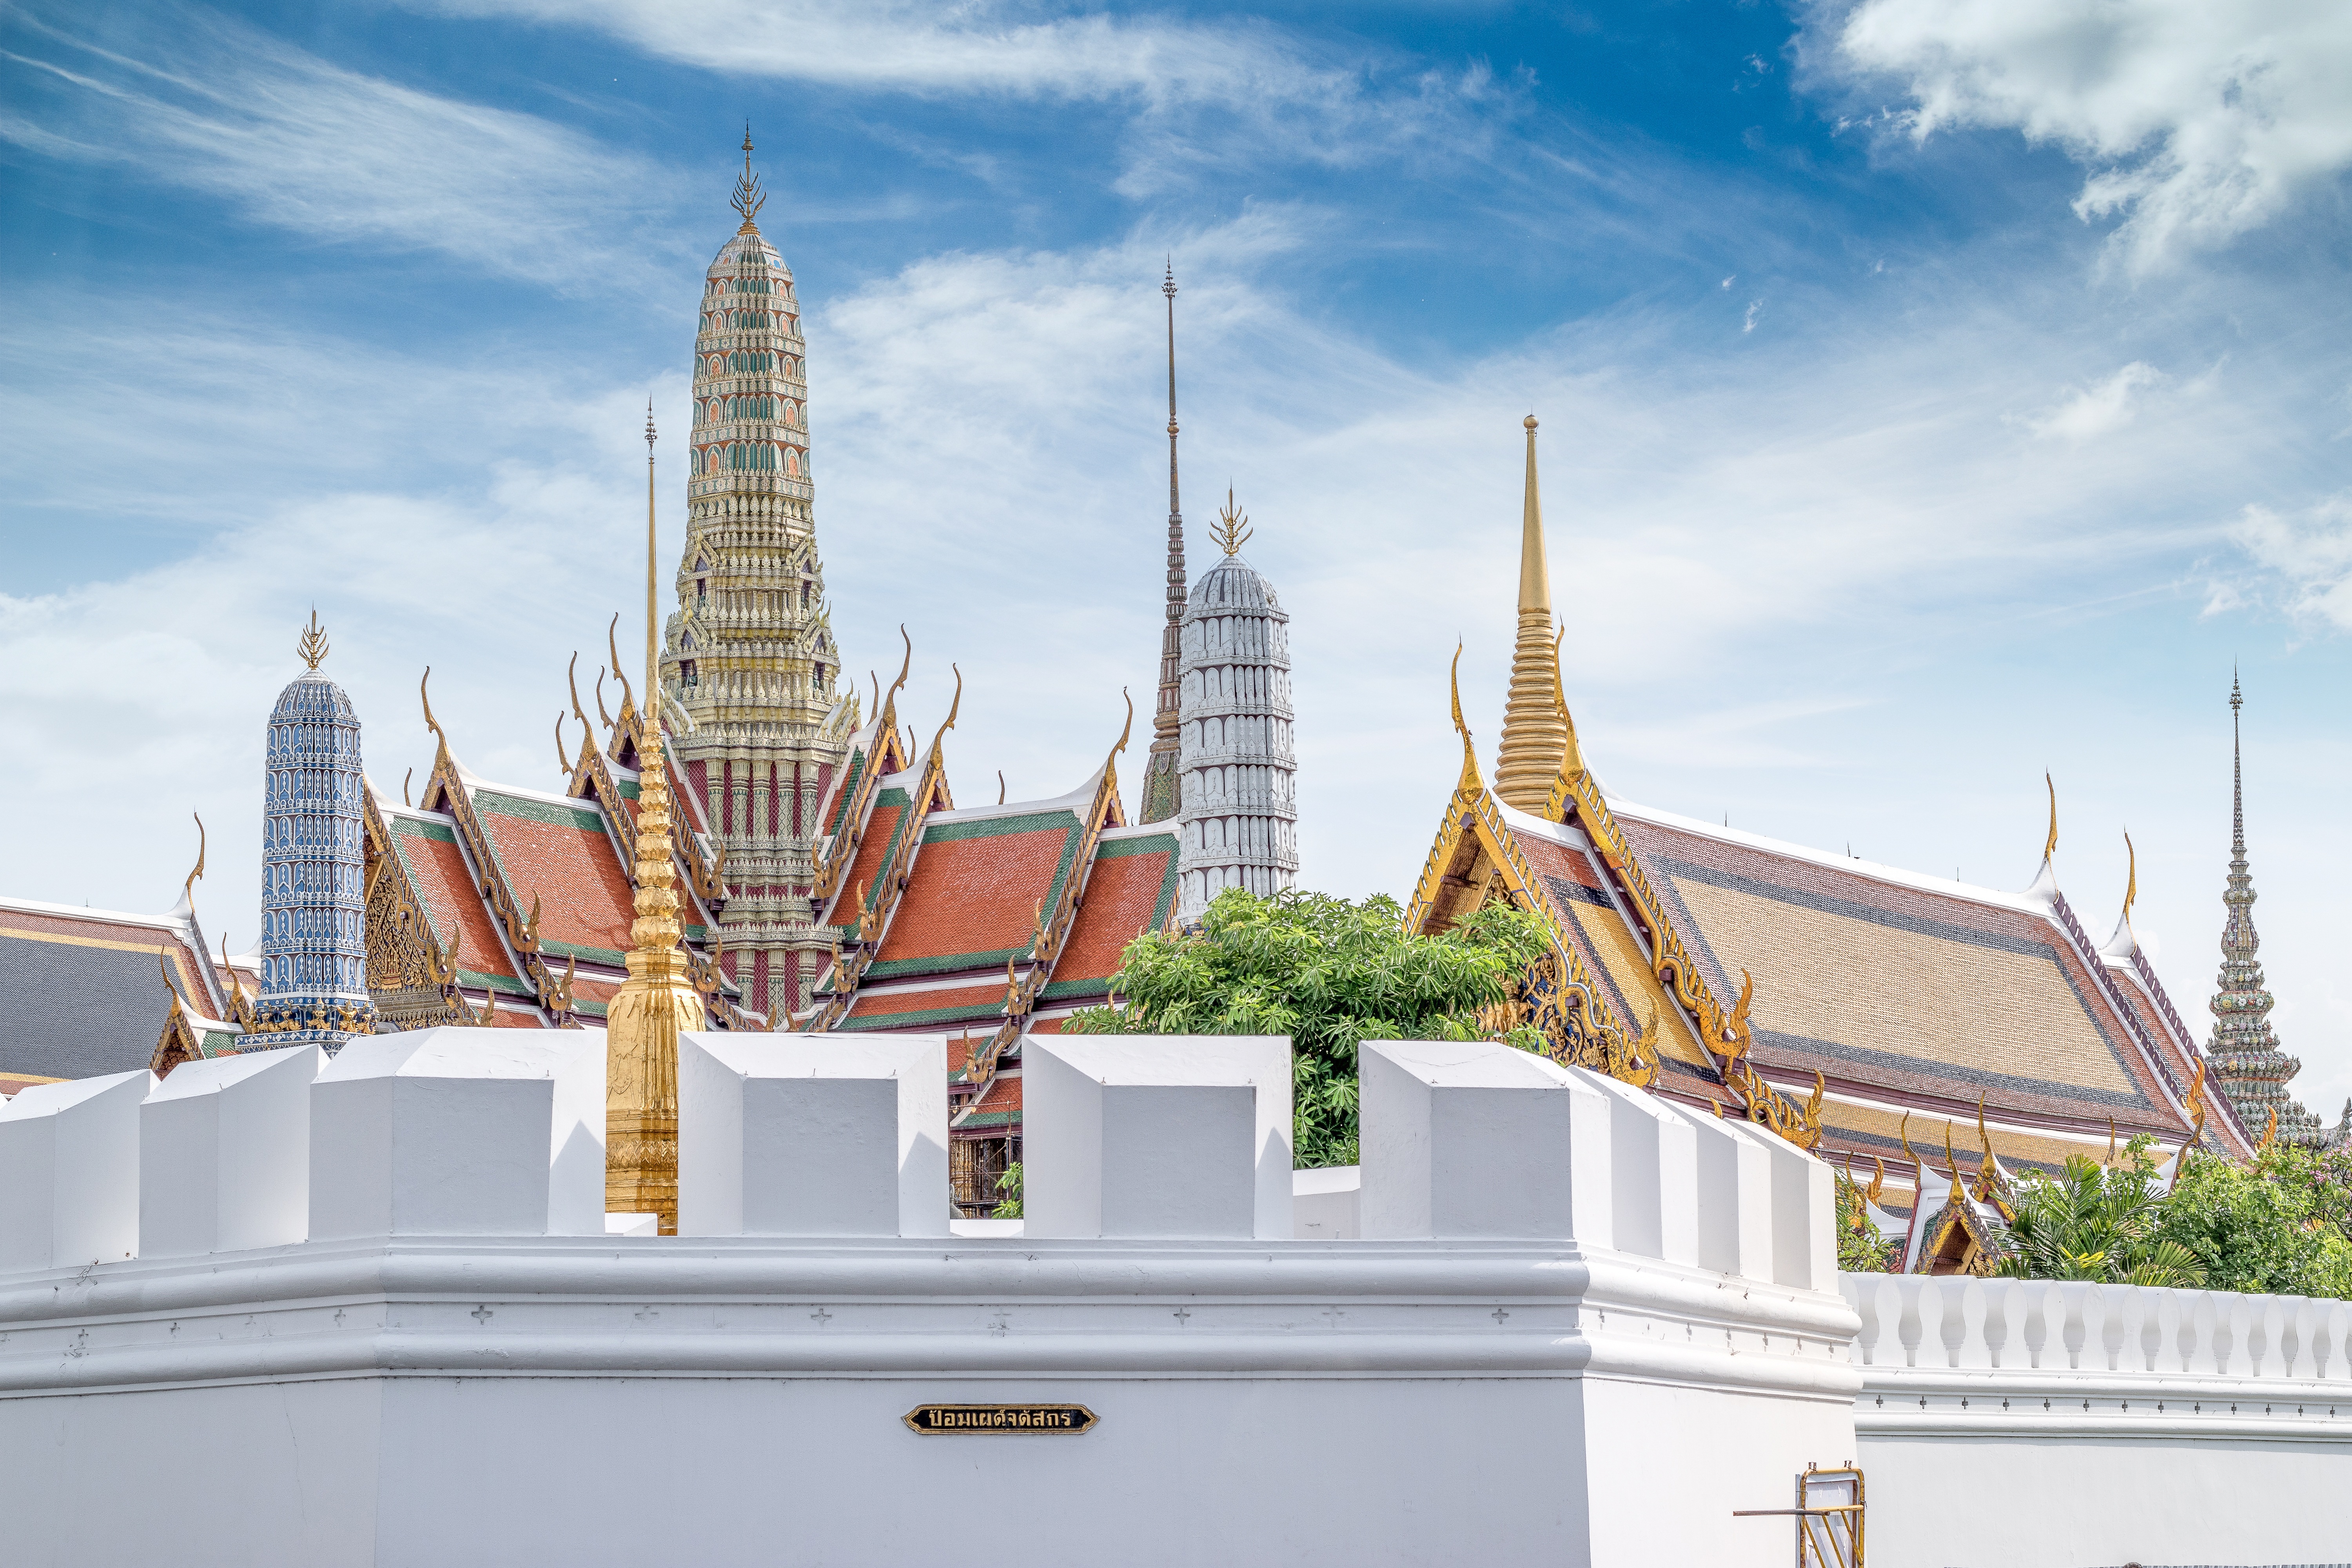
1526 1356
2102 1423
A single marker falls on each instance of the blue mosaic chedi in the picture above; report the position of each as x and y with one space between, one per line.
313 917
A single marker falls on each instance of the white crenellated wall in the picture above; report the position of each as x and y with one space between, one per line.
450 1365
2114 1423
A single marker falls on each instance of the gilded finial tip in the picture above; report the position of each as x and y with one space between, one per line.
1529 422
313 646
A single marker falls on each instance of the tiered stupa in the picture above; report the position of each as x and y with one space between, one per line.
1240 821
750 669
2244 1053
313 929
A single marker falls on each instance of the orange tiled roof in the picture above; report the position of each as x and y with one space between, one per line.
564 855
426 844
972 900
927 1009
885 821
1130 890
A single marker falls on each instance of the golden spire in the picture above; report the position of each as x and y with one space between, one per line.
2050 845
313 646
1233 530
195 872
748 198
658 1002
1534 737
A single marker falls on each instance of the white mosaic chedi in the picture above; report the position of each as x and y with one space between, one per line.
1239 825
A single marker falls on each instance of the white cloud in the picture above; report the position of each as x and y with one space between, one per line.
2195 119
1221 94
296 142
2312 550
2100 409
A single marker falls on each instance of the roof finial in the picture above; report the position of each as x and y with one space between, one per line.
748 198
2131 878
1163 795
2050 845
195 873
313 646
1233 530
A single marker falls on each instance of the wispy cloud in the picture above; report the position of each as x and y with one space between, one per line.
1196 95
2310 550
288 139
2196 121
2100 409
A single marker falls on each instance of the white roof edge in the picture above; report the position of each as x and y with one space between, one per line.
176 924
523 792
1138 829
1076 801
1896 875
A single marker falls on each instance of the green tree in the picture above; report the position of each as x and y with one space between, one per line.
1860 1249
2276 1226
1329 974
2091 1222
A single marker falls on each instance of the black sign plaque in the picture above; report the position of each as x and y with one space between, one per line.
998 1420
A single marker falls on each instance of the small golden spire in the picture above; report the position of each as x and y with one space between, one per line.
1469 753
1535 737
2050 845
658 1000
313 646
1232 530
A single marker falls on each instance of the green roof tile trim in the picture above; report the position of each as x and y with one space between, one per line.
892 796
989 1119
550 948
589 1009
409 827
976 1012
848 791
584 819
1152 844
217 1040
506 984
1062 821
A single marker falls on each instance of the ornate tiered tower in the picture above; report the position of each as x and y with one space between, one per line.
1535 734
749 664
2245 1052
1239 771
313 936
1162 793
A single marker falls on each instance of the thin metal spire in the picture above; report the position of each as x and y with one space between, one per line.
1161 788
2237 774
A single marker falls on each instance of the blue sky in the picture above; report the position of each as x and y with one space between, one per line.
1934 393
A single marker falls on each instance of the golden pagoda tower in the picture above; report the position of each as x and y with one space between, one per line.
1535 732
658 1002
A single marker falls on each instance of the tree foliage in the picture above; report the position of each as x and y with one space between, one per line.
2094 1222
1860 1249
2278 1226
1329 974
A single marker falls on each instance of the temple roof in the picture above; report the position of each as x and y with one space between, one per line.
85 988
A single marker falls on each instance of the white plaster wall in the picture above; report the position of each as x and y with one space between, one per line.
2068 1503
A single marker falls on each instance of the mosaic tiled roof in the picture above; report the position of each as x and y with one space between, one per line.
1884 981
443 884
85 986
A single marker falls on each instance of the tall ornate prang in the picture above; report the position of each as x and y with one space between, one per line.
750 672
1162 786
313 899
1239 825
2244 1053
658 1000
1534 735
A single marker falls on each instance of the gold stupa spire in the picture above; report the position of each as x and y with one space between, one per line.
658 1002
1534 730
748 198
